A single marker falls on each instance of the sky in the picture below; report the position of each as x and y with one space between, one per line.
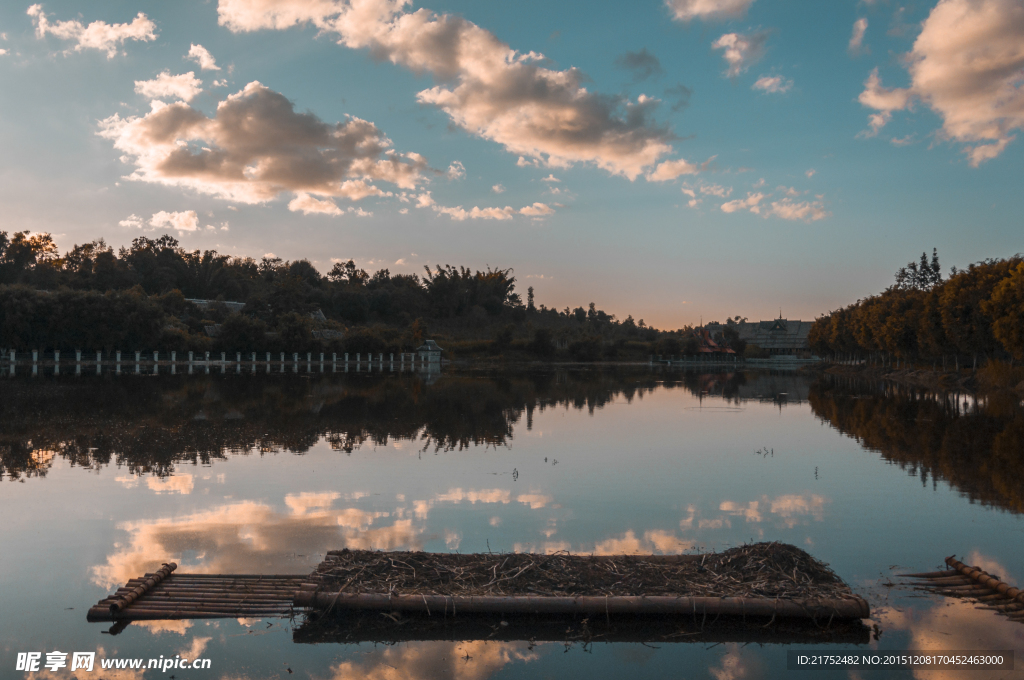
674 160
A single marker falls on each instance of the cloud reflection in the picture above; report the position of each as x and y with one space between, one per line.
252 537
954 624
476 660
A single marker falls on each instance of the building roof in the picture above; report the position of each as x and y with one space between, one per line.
428 346
709 346
775 334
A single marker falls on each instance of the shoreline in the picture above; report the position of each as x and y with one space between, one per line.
965 380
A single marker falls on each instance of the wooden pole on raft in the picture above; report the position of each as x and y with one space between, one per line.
845 608
144 587
975 574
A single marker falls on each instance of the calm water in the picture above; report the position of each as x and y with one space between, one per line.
106 477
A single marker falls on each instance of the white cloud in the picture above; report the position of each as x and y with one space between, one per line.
715 190
811 173
257 147
133 221
202 56
877 97
860 26
551 178
3 52
498 189
456 170
309 205
186 220
183 86
808 211
876 121
669 170
459 214
687 10
741 51
488 88
98 35
966 65
772 84
749 203
537 210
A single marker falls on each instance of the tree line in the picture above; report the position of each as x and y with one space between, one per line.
138 298
975 313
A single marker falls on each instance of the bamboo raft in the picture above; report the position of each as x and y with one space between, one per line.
166 595
763 580
975 584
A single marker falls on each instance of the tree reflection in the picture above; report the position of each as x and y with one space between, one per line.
150 424
978 450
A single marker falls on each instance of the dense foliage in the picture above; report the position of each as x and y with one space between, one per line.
976 312
137 298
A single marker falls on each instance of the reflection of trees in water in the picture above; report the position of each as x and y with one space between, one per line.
980 452
150 424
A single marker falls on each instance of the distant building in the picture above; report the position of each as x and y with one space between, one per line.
777 337
707 345
429 352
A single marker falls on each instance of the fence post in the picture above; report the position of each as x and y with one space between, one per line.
174 359
56 356
35 356
156 357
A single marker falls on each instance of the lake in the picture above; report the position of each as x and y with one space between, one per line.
106 477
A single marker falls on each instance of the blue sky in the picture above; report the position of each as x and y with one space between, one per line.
671 160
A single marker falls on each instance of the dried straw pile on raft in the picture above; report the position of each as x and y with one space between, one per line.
762 579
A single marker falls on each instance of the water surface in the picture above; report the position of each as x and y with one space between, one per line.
106 477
